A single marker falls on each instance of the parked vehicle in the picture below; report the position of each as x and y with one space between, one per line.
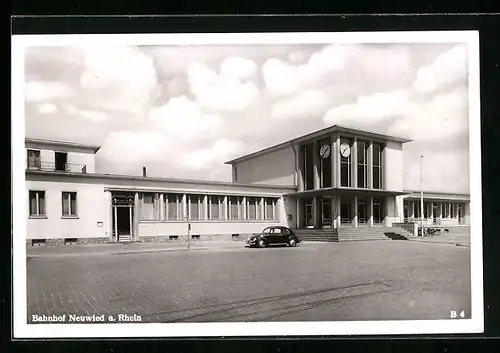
273 235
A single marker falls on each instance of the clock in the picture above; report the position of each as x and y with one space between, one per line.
324 151
345 150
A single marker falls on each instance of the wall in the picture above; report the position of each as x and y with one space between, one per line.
274 168
289 207
88 159
393 166
157 228
91 208
391 211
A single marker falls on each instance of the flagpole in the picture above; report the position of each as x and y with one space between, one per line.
422 193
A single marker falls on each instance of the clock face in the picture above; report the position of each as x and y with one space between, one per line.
324 151
345 150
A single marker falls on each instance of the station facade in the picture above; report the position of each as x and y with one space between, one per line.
333 178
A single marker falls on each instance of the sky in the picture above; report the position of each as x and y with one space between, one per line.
182 111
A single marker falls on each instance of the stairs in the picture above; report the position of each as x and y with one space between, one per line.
353 234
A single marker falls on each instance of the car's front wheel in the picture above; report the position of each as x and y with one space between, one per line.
262 243
292 243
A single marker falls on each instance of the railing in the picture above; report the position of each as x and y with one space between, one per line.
52 167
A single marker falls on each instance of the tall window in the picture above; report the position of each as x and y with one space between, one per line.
37 203
259 212
173 207
150 210
345 162
233 207
308 166
377 166
378 210
446 210
251 208
325 163
214 206
195 209
34 161
362 164
269 208
417 208
69 204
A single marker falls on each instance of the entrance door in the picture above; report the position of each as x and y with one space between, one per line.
326 212
434 214
309 213
362 214
123 224
345 211
60 159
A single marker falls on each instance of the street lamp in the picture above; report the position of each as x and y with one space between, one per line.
422 193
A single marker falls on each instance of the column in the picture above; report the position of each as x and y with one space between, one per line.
162 207
370 212
333 159
354 163
431 213
109 221
300 168
337 159
300 212
316 212
354 207
225 208
136 216
370 165
184 206
337 207
244 208
333 210
316 164
440 213
205 207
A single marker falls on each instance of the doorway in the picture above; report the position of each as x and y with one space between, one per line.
61 160
309 216
345 210
326 212
362 212
122 222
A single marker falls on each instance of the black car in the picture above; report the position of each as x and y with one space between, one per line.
273 235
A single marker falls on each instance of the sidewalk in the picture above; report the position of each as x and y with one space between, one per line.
443 239
131 248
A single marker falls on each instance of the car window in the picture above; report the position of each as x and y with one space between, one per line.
266 231
285 231
277 231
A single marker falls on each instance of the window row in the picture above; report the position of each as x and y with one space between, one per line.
361 164
447 210
172 207
37 204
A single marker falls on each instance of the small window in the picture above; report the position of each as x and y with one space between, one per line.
34 161
173 237
37 203
69 204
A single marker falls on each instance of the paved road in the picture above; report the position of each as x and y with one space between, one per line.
334 281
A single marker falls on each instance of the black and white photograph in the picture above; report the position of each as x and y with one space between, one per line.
270 184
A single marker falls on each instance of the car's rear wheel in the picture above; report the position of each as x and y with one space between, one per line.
262 243
292 243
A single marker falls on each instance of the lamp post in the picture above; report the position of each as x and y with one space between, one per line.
422 193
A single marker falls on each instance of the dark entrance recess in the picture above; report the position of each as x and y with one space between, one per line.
61 160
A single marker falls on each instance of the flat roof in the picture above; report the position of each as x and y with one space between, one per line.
345 191
438 195
318 133
55 143
157 179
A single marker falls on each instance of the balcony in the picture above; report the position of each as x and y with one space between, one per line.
52 167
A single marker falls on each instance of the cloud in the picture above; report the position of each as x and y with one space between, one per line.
94 115
444 116
282 78
47 108
227 91
449 67
41 91
119 79
183 118
215 155
370 109
306 103
123 151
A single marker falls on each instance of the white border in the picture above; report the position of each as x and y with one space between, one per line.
23 330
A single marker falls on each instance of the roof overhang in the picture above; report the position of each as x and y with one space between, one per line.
345 191
320 133
62 144
437 196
